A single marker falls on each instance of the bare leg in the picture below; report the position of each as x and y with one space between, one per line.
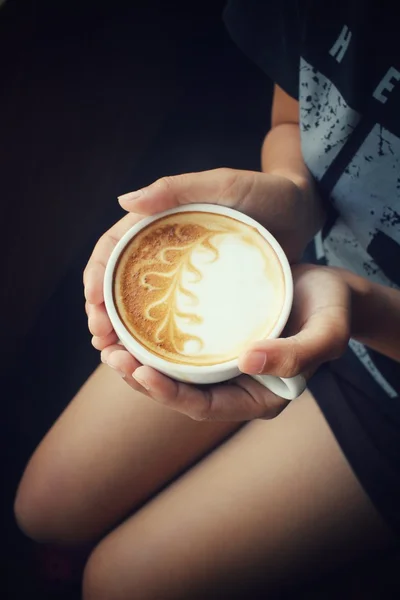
277 502
108 452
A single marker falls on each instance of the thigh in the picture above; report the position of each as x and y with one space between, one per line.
108 452
276 502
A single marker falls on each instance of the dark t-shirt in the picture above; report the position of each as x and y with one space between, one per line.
341 61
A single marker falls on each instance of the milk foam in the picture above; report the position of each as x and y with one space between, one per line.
196 288
236 300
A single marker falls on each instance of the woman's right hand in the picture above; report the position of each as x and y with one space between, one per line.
274 201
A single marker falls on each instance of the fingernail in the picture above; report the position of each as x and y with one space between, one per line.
103 356
255 361
131 196
141 382
120 373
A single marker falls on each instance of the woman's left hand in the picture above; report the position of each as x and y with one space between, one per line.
318 331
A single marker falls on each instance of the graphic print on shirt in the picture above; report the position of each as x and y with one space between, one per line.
365 238
371 206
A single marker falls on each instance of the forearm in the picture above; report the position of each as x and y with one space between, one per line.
281 155
375 315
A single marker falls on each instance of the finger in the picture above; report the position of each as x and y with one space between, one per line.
218 186
123 363
324 337
240 400
121 360
98 321
108 350
102 342
93 276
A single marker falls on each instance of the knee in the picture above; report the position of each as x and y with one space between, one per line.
31 506
45 505
35 511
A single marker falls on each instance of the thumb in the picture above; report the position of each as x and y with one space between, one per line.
324 337
218 186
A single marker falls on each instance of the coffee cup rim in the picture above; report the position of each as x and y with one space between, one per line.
134 346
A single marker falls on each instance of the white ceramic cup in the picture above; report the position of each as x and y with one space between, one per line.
288 388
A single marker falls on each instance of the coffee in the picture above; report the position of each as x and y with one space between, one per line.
196 287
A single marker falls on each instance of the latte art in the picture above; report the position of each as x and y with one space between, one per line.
196 287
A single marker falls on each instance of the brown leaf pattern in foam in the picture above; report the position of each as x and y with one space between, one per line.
162 277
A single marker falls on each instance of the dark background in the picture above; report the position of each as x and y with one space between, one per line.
97 99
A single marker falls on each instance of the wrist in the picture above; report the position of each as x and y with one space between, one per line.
362 298
376 316
302 181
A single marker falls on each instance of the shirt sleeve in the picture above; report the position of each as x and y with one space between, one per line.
269 33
